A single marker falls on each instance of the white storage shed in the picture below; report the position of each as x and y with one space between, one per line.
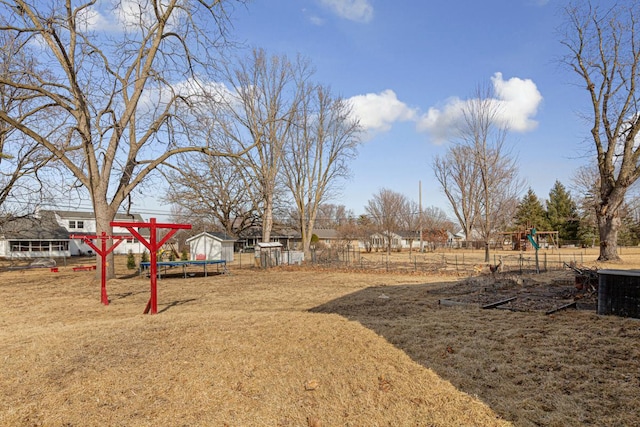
211 245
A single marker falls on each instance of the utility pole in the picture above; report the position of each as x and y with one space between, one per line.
420 213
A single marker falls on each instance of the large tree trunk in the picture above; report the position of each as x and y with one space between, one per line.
104 215
267 220
307 234
608 227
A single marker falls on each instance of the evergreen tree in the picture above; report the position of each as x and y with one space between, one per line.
531 213
629 234
587 231
131 260
562 212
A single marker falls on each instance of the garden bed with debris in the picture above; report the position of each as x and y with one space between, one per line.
545 292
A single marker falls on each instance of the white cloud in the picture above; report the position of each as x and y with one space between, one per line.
440 122
520 100
517 101
316 20
353 10
94 20
378 111
202 94
312 17
124 15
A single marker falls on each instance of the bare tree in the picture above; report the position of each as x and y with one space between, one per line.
385 210
329 216
481 168
410 222
436 227
118 96
433 217
260 110
365 230
604 51
213 190
332 216
459 177
22 160
317 154
22 185
349 231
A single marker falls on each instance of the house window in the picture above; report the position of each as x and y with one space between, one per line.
39 245
19 246
59 245
76 225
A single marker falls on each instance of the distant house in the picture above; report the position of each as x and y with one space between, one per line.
211 245
47 234
291 239
84 224
379 241
328 236
409 239
34 237
288 237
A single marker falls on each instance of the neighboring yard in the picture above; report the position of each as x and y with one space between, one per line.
307 347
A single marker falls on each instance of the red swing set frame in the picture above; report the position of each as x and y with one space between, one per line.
103 251
153 245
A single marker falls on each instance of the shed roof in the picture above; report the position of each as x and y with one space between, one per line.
269 244
217 235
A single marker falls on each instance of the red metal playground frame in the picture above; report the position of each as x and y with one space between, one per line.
103 251
153 245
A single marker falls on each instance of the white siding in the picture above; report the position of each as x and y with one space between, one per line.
206 246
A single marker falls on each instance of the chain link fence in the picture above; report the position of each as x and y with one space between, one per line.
461 263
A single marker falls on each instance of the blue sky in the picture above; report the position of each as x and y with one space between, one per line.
408 64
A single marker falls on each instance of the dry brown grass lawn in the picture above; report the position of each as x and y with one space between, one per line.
301 347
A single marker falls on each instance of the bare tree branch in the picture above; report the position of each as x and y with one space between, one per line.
604 52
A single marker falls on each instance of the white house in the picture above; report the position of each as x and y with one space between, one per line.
47 235
34 237
84 224
211 245
400 240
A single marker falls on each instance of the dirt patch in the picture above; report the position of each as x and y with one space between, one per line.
546 292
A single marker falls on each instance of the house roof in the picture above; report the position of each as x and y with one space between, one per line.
280 233
45 227
409 234
90 215
223 237
326 233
